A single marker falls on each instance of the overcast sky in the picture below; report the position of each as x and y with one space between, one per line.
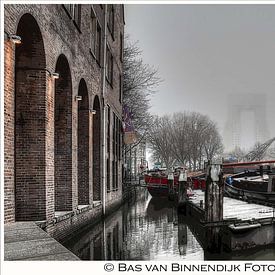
206 53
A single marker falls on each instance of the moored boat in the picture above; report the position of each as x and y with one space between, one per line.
157 182
255 186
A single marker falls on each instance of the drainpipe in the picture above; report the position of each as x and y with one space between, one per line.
104 113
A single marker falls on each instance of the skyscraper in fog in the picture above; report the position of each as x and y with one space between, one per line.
246 121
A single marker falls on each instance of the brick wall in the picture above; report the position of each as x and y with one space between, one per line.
113 197
62 229
50 162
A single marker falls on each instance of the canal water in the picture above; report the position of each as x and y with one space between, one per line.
147 229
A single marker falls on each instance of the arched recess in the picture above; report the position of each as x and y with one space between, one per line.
83 144
96 150
63 137
30 122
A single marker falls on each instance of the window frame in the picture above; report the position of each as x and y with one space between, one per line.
109 74
111 19
72 10
95 43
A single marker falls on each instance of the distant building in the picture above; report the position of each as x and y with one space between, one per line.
136 162
63 112
235 134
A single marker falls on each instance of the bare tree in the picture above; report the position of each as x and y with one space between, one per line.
160 141
179 137
213 146
140 80
189 139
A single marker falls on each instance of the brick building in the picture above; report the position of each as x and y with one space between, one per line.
62 111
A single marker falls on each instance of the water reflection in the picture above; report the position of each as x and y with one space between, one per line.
149 229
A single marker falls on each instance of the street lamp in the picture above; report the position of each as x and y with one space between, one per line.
16 39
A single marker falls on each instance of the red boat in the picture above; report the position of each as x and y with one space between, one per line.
157 182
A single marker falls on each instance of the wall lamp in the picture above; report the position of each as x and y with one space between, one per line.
93 112
15 39
78 97
55 75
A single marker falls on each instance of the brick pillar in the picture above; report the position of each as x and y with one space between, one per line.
96 151
9 192
49 148
83 146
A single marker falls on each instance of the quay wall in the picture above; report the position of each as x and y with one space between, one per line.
65 226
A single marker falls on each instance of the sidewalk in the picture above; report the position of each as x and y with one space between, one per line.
28 242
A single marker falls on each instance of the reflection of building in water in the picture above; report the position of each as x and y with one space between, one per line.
146 230
101 242
246 122
182 235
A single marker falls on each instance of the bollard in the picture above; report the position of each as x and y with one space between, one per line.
261 170
182 192
271 183
171 191
214 205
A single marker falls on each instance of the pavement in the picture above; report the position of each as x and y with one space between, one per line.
28 242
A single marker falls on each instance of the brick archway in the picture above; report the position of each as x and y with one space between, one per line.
30 122
83 145
63 137
96 150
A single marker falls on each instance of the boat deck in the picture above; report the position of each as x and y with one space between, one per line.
238 209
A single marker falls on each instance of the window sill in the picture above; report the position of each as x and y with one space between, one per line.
77 27
109 82
111 32
94 57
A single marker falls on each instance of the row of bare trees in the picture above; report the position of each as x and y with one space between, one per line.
186 139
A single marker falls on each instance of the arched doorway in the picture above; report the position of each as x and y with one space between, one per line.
30 122
96 150
83 144
63 137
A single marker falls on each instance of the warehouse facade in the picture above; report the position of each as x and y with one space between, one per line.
62 113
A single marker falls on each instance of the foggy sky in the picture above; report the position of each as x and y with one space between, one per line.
206 53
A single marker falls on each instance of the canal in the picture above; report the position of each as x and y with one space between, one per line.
148 229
